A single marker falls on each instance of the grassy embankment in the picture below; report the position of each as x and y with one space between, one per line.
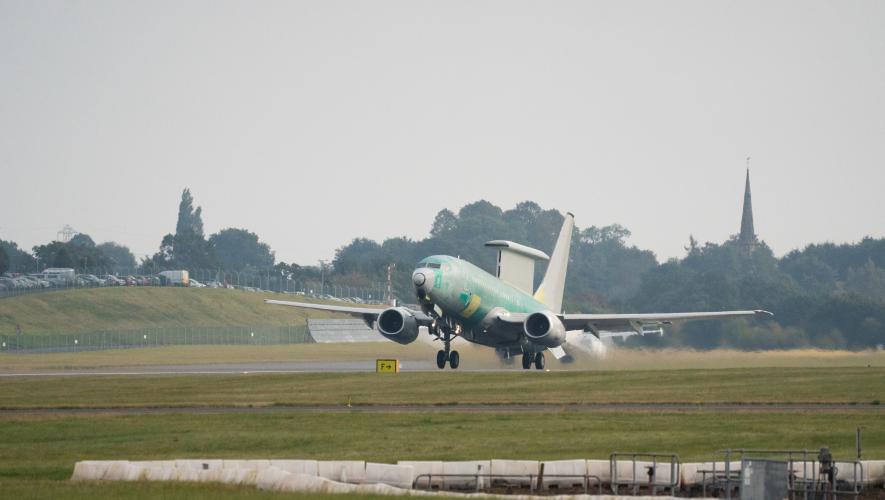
132 308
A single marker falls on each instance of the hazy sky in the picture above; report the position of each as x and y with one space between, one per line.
311 123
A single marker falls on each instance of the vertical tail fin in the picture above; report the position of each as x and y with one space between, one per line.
550 290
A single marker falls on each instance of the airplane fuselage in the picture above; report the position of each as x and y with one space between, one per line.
469 296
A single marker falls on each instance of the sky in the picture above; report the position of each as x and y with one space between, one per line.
311 123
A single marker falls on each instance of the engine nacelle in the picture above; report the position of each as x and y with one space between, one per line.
544 328
398 324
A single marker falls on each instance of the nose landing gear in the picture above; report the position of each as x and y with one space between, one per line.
446 354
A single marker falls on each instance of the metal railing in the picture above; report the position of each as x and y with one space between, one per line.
487 482
805 480
647 478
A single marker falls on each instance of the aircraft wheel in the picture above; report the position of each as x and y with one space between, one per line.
441 359
539 361
454 359
527 360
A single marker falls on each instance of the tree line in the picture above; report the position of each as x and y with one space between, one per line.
231 249
825 295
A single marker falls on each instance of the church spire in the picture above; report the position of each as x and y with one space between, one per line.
747 237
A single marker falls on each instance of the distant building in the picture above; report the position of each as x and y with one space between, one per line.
747 238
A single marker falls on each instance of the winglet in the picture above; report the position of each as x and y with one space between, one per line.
550 291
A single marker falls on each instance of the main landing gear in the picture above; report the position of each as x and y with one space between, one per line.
529 358
446 354
453 358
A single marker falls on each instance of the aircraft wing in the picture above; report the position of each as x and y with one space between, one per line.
624 325
353 311
367 314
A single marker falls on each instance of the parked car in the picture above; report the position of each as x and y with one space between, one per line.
112 280
37 282
22 282
90 278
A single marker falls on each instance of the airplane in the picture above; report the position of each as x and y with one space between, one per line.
458 299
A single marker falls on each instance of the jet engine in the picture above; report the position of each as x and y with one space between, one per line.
398 324
544 328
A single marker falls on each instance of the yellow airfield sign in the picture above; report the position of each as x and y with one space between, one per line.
387 366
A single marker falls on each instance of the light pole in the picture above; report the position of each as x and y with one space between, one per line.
322 277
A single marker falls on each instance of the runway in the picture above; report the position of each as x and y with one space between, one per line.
459 408
229 368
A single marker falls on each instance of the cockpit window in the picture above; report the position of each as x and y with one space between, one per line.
433 265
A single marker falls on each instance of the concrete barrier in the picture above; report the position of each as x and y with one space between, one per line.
874 470
600 469
271 479
466 474
527 468
577 469
347 471
117 470
198 464
90 470
435 469
245 464
275 479
308 467
400 476
160 470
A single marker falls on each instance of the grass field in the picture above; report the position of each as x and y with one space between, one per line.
41 489
129 308
46 447
763 385
37 451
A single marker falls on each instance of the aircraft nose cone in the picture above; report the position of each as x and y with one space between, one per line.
419 279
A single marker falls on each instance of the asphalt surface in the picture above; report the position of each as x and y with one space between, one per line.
226 369
460 408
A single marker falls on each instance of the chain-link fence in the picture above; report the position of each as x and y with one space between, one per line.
154 337
269 281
